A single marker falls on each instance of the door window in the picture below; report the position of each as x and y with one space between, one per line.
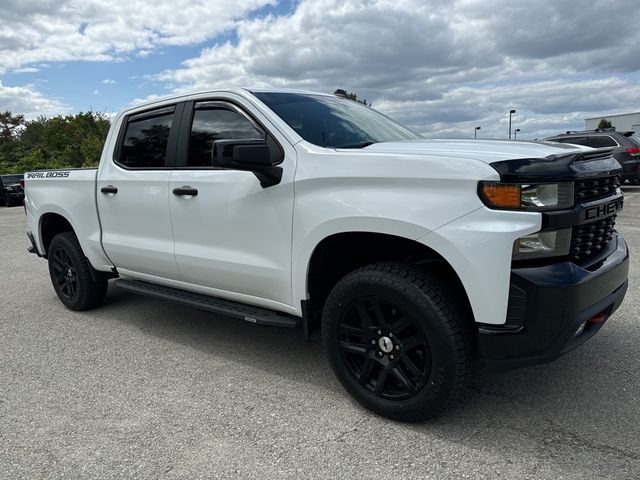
145 140
211 123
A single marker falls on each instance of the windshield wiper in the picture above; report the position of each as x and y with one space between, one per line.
364 143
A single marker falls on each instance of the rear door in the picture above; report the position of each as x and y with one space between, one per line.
233 236
133 195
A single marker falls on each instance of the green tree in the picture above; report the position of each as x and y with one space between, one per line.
9 125
58 142
350 95
604 123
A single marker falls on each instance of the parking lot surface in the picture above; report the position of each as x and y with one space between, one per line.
144 389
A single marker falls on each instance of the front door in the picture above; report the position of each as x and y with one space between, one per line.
233 236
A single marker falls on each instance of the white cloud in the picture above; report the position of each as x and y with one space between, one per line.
108 81
46 30
440 67
30 102
543 108
26 70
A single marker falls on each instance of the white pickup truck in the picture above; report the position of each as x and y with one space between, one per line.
418 259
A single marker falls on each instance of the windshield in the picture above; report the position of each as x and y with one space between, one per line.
334 122
10 179
635 138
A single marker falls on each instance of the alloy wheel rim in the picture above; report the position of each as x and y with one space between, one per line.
64 273
384 348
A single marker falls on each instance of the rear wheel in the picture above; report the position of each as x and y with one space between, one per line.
7 200
398 340
71 274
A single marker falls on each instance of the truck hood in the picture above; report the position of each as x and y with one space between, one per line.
487 151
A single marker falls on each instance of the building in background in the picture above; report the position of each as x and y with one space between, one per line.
622 122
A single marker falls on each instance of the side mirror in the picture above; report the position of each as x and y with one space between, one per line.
249 155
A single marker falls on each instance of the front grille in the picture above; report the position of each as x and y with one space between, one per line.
591 238
595 188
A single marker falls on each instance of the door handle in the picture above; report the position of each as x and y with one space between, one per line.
185 191
109 189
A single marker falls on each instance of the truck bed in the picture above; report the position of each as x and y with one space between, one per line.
71 194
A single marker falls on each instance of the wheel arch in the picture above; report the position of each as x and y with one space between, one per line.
338 254
50 225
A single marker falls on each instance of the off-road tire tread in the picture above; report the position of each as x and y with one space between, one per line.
91 293
452 309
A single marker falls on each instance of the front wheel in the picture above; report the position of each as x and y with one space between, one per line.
71 274
7 200
398 340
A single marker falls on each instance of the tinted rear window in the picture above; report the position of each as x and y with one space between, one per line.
145 141
574 140
600 141
8 179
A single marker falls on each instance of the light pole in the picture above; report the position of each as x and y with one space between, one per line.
511 112
515 133
475 131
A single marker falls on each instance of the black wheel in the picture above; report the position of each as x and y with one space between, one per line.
7 200
399 340
71 274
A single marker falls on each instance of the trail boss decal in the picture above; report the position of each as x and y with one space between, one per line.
33 175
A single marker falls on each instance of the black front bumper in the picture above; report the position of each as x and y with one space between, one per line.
549 304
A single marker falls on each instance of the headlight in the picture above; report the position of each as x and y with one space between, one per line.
536 197
552 243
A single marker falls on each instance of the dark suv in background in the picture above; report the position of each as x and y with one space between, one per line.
626 148
11 192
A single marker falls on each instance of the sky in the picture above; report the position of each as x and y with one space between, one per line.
440 67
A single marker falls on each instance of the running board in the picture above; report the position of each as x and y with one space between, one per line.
248 313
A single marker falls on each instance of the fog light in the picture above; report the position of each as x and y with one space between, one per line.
551 243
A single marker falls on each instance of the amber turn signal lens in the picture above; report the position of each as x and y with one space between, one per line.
502 196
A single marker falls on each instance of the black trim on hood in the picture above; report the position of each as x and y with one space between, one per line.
563 167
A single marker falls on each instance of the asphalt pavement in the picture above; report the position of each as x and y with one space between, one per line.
148 390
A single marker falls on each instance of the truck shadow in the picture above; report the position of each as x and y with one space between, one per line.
278 351
557 406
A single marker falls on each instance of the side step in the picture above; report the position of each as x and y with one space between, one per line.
248 313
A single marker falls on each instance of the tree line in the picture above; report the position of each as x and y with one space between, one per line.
57 142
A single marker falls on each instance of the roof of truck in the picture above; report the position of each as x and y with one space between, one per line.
237 90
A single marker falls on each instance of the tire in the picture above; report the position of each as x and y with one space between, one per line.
400 340
7 201
71 274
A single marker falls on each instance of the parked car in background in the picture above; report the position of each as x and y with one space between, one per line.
626 147
11 192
